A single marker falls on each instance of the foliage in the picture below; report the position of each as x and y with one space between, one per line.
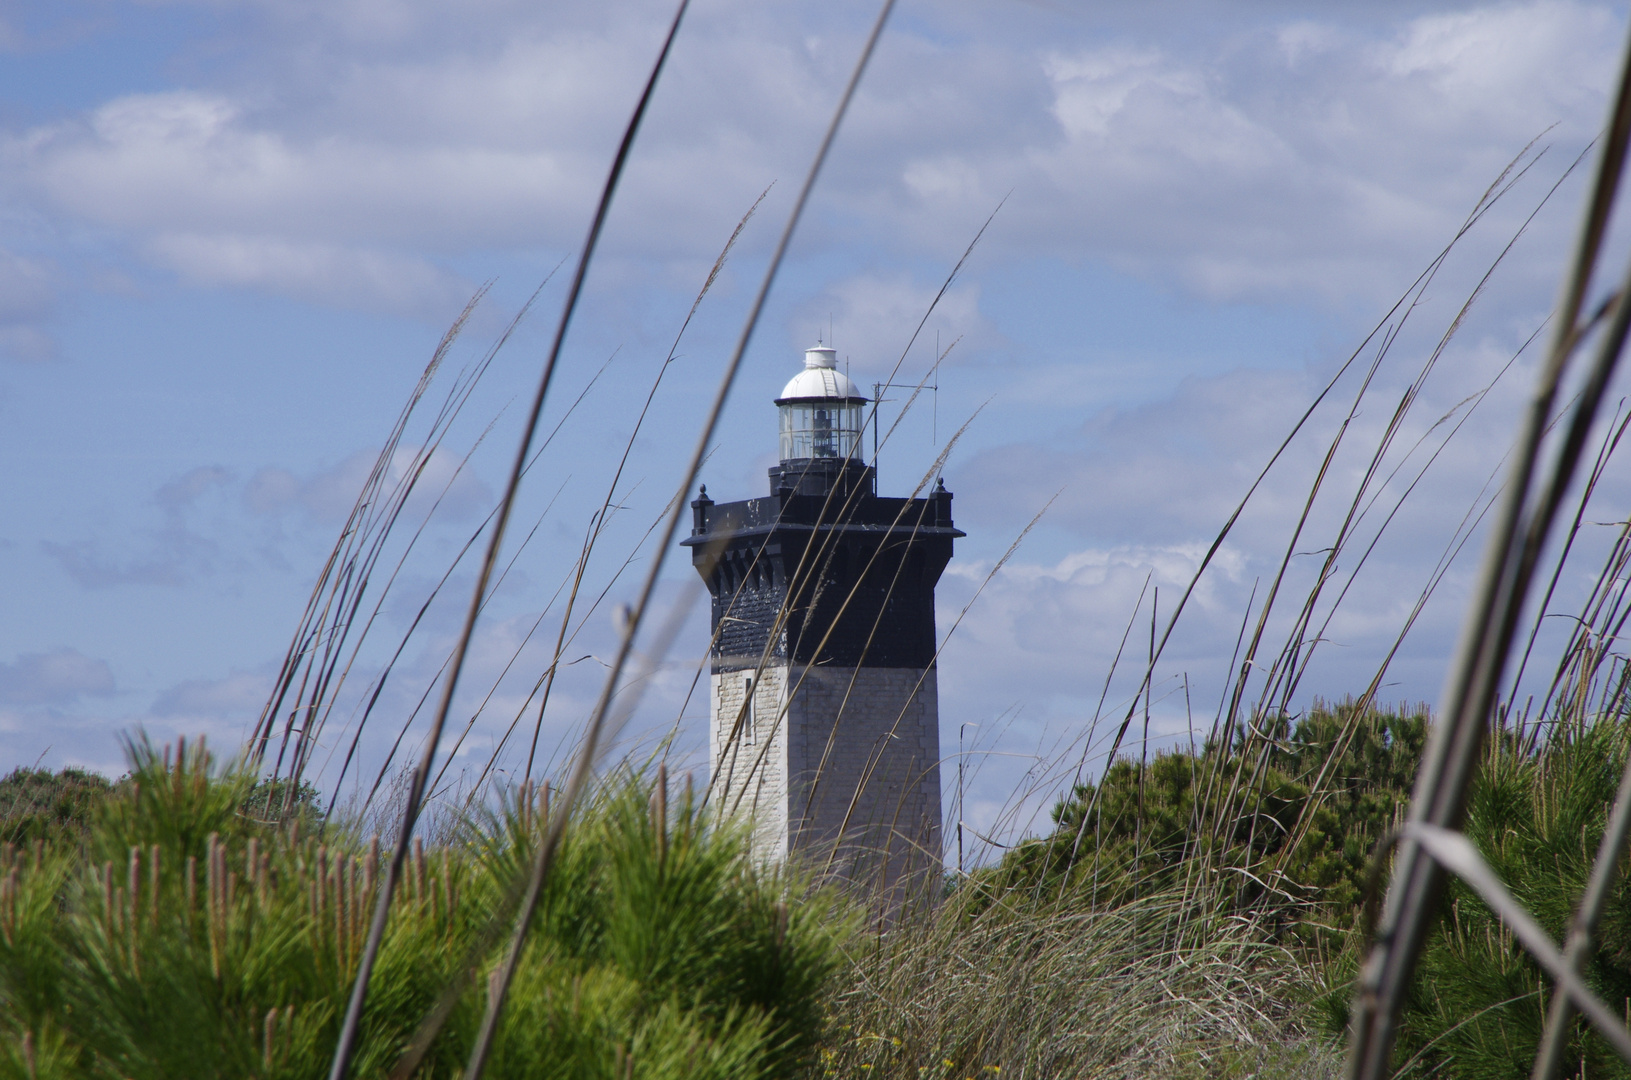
1288 816
707 959
1133 955
1126 957
185 937
37 804
1175 921
281 801
1537 813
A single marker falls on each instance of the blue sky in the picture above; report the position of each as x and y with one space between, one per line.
231 235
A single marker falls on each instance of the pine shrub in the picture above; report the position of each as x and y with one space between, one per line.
185 935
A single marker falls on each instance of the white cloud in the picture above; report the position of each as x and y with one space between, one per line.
238 698
879 313
328 496
171 555
326 274
1483 62
27 300
1246 168
59 677
1286 157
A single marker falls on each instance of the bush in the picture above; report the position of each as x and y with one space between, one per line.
37 804
185 937
1479 1002
1286 821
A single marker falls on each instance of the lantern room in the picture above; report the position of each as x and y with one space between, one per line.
822 412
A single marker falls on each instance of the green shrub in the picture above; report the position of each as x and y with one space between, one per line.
1479 1002
37 804
1286 821
186 937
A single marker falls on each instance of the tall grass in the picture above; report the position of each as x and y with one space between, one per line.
1137 989
1247 860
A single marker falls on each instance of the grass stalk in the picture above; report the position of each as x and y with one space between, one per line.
1476 676
348 1032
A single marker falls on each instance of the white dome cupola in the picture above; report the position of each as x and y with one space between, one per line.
821 411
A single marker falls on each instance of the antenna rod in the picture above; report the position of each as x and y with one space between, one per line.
877 403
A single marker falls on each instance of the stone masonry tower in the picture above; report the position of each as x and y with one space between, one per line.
825 713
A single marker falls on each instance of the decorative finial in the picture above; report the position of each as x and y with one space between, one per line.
940 484
704 493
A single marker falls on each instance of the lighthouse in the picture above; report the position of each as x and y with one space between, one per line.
825 719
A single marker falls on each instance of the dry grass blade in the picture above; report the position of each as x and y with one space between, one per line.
1604 453
561 640
430 597
1006 994
929 311
1520 529
316 610
574 579
328 688
376 931
597 721
1382 333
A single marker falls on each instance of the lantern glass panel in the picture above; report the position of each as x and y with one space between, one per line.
825 429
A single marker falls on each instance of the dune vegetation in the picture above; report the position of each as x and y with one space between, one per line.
1193 910
177 933
173 928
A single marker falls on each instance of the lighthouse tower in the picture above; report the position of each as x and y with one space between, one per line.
825 722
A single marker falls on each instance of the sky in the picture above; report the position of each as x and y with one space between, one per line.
232 235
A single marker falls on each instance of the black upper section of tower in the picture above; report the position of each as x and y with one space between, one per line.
822 571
